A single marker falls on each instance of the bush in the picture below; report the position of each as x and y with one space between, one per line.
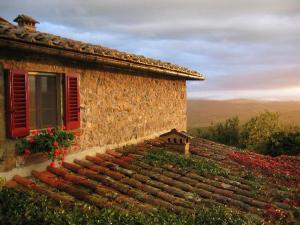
227 132
262 133
287 143
256 132
29 208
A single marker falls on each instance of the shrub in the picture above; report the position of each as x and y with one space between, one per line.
262 133
282 142
227 132
29 208
256 132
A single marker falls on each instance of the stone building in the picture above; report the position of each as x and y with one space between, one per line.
108 96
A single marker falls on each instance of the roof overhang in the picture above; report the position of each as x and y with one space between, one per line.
12 44
30 40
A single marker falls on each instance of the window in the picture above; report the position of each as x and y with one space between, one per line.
175 141
44 100
180 141
169 140
40 100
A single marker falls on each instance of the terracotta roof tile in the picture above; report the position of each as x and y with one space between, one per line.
32 37
124 180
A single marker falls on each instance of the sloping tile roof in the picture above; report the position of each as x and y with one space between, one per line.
30 38
123 180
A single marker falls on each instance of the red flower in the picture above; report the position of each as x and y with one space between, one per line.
65 150
60 162
54 144
31 140
34 132
49 130
56 153
51 134
52 164
26 152
286 201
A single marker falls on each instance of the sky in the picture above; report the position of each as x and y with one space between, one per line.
245 49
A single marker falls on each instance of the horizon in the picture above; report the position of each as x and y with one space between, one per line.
246 50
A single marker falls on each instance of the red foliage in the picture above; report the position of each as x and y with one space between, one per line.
293 202
279 167
274 212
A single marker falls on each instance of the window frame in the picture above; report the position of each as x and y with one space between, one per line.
17 102
59 96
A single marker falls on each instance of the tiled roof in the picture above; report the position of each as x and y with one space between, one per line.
126 180
30 38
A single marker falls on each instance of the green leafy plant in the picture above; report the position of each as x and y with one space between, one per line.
262 133
258 130
227 132
53 141
282 142
30 208
202 166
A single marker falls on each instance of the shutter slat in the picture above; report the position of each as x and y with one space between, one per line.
17 104
72 102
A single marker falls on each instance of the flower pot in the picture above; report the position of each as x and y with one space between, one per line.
36 158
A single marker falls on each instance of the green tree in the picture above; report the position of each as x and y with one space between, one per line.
283 142
257 131
227 132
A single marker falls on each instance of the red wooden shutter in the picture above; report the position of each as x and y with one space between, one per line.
17 104
72 103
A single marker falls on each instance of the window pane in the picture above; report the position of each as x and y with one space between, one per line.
32 102
43 101
48 101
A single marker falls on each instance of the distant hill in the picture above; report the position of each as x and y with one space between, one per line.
202 112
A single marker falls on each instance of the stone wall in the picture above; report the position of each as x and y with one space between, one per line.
116 105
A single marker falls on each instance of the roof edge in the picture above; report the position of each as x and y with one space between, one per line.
37 48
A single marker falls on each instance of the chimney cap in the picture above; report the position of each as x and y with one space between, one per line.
21 18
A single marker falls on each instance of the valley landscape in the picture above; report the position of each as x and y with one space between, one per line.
201 113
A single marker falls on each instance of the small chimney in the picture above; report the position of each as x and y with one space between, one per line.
26 22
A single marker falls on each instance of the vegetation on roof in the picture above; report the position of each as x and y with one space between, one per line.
29 208
150 184
160 156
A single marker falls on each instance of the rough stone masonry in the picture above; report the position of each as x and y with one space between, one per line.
116 106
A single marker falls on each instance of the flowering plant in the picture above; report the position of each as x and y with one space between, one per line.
281 167
54 141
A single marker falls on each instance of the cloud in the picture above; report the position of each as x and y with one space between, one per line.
239 45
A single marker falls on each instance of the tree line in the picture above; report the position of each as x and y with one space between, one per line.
262 133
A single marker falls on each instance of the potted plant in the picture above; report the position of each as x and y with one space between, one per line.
52 143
